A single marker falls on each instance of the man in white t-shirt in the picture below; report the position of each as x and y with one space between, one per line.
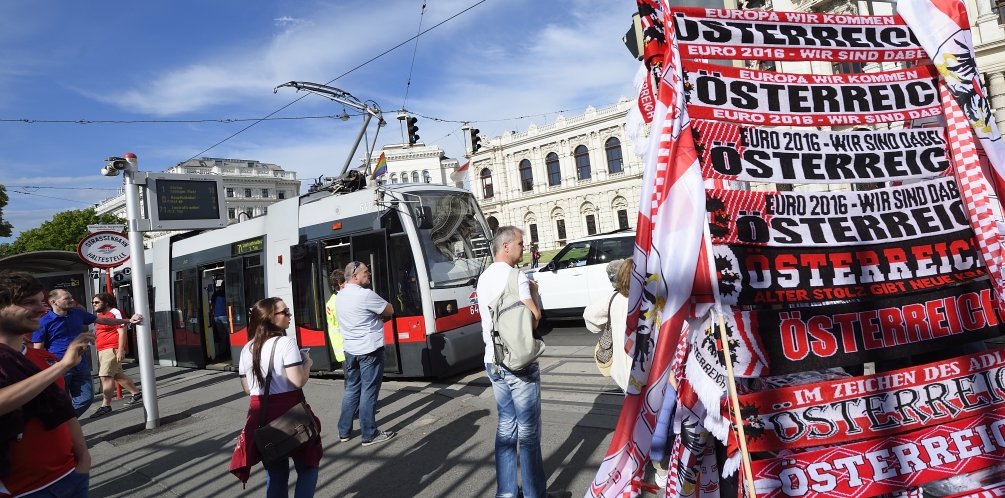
361 316
518 396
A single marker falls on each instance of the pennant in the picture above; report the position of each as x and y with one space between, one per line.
460 173
381 167
793 36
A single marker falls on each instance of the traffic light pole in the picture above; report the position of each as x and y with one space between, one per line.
144 342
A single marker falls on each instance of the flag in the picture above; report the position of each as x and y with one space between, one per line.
943 30
459 173
667 249
381 167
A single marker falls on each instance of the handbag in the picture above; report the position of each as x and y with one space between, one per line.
603 353
514 345
290 432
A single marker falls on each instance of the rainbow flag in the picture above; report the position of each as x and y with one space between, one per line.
381 167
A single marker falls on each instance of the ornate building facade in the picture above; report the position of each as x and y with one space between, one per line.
572 178
417 163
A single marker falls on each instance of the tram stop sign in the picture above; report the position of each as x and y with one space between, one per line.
104 249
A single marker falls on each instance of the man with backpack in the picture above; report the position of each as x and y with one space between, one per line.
517 393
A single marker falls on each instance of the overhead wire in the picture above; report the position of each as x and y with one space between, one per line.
479 2
408 84
51 197
159 121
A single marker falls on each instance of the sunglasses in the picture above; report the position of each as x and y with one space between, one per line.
286 312
355 266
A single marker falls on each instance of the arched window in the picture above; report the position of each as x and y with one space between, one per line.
614 163
526 176
394 178
425 176
487 183
554 170
415 177
582 162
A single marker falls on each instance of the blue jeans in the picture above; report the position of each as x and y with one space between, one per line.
72 485
277 479
80 387
518 399
363 376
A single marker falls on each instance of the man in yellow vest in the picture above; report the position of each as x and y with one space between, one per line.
338 282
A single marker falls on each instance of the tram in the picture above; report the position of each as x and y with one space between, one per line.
425 244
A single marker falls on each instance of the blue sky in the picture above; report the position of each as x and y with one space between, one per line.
222 59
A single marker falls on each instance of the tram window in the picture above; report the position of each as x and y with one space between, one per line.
308 303
252 261
456 248
405 295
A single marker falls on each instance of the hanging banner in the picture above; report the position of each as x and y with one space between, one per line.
792 36
770 98
819 337
790 219
883 404
751 275
884 465
755 154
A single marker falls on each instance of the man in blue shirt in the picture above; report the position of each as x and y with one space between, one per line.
57 329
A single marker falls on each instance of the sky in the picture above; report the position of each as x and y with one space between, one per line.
199 60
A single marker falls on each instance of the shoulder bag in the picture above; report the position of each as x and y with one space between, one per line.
290 432
513 340
603 353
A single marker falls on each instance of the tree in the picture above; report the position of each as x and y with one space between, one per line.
62 233
5 226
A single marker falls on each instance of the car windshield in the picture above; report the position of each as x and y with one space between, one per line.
456 248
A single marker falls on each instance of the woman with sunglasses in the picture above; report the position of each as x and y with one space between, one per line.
269 319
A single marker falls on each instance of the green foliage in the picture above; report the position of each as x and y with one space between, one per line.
62 233
5 226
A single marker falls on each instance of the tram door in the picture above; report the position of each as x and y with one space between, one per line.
243 286
214 306
188 339
371 249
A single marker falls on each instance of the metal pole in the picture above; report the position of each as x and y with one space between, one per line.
144 344
348 160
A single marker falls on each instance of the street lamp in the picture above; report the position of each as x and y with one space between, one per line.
128 165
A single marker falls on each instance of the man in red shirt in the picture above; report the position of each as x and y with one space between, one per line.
42 448
111 346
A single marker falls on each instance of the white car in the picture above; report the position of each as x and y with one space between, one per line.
577 275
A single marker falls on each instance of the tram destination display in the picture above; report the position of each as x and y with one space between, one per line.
183 202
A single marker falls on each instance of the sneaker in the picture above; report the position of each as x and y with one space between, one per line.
104 410
135 398
382 437
344 438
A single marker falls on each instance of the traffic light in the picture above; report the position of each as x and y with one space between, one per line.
475 140
412 129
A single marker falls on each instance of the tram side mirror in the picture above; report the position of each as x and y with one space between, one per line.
425 220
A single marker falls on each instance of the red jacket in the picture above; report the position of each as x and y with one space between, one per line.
246 453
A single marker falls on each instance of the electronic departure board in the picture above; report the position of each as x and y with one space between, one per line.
184 202
187 200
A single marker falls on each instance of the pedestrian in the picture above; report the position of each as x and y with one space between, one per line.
613 311
518 395
111 346
535 256
337 280
361 313
267 324
42 448
58 328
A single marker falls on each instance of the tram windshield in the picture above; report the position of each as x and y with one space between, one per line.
457 247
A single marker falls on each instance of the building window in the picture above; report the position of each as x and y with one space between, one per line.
394 178
533 233
265 210
554 169
231 212
426 177
847 67
247 192
591 224
526 176
582 162
250 212
614 162
281 194
230 192
622 219
217 163
251 164
415 177
265 193
560 228
487 183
